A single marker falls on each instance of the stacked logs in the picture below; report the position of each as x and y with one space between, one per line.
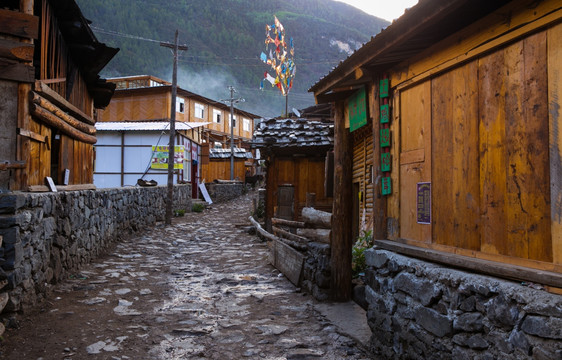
46 105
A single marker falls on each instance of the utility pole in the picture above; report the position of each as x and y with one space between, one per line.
232 101
172 142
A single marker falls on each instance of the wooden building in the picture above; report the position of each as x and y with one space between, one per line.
50 88
216 163
462 102
147 98
296 153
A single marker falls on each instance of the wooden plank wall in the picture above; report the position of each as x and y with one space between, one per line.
515 177
554 65
494 148
362 162
220 169
137 108
415 157
306 175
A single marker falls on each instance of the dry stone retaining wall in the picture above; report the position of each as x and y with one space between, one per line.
47 236
224 192
419 310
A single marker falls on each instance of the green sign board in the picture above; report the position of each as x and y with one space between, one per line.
383 88
386 162
386 187
357 110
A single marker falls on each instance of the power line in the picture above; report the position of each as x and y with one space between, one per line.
200 59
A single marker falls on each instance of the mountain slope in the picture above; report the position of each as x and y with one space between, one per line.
225 39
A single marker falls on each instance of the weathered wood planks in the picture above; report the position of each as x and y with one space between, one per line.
554 63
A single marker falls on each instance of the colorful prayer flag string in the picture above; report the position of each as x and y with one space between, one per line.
280 58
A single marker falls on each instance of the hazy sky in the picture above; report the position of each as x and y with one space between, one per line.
386 9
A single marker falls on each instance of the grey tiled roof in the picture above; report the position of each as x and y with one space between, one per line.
225 153
293 133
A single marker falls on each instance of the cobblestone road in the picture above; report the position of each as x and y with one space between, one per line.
201 289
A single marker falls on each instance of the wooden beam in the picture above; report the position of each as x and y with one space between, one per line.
502 270
290 236
341 242
8 164
56 122
19 24
319 235
283 222
32 135
76 187
15 71
58 100
69 119
317 218
16 50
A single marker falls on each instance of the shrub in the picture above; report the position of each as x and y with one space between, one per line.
364 242
179 212
197 207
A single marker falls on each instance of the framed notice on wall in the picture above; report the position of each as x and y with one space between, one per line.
424 203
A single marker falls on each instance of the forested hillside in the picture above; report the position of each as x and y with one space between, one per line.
225 39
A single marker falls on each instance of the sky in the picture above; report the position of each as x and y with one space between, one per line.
386 9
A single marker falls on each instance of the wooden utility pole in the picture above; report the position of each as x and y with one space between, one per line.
232 100
342 241
171 144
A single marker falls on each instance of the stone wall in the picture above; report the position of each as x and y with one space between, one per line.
223 192
419 310
47 236
316 272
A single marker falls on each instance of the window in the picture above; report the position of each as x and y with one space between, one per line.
199 111
246 124
234 124
216 116
180 105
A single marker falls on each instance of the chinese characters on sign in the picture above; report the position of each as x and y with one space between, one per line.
357 110
424 203
160 156
384 137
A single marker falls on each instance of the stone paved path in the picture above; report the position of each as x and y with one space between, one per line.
201 289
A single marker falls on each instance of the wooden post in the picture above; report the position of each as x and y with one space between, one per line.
379 203
23 144
341 242
310 199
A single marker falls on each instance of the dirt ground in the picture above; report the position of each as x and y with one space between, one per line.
200 289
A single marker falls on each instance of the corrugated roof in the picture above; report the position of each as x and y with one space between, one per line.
146 126
239 153
293 133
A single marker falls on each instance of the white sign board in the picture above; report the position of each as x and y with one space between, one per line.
205 193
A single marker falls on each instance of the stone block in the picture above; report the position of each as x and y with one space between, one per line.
477 342
375 258
423 290
545 327
9 203
518 340
502 312
379 303
469 322
437 324
468 304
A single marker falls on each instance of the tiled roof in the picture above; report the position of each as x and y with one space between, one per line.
293 133
225 153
